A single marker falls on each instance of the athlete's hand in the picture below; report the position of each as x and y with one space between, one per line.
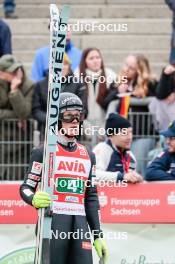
101 249
41 200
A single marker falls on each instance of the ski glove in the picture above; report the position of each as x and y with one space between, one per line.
41 200
101 249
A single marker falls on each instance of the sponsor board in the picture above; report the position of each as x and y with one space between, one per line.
138 203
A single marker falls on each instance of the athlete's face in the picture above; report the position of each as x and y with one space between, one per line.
72 122
123 140
171 144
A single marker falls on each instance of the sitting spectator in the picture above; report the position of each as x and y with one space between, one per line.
70 84
97 79
40 65
5 39
140 89
114 160
162 168
15 103
163 107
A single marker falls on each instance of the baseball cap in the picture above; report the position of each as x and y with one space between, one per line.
8 63
170 132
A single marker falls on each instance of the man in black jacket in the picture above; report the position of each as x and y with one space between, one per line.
76 202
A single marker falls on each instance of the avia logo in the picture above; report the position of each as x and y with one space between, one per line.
75 166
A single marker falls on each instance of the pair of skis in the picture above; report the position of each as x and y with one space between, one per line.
58 29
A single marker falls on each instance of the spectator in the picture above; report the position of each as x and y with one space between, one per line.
9 8
114 160
140 87
162 168
140 82
163 107
97 79
5 39
15 103
40 65
167 80
171 4
70 84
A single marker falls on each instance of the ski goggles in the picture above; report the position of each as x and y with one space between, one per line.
69 118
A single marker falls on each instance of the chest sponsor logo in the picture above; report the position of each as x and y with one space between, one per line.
72 199
72 166
70 185
36 167
82 150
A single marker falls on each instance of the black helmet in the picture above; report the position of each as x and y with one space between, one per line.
69 101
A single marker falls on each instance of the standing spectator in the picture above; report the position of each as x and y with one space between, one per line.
15 103
9 9
39 105
163 107
140 86
114 160
162 168
97 79
167 80
5 39
171 4
40 65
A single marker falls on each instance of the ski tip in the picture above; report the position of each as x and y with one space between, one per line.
54 10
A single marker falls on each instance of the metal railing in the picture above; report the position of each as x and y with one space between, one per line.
17 140
16 143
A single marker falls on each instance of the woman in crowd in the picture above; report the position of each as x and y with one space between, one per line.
134 97
97 80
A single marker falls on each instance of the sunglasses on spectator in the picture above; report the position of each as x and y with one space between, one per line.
70 118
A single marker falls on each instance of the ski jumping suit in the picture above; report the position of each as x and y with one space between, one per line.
76 205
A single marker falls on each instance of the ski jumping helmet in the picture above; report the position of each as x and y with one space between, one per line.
69 101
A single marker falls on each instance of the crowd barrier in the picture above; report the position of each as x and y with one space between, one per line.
137 220
128 203
18 138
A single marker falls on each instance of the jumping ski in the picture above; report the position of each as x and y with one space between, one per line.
58 27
